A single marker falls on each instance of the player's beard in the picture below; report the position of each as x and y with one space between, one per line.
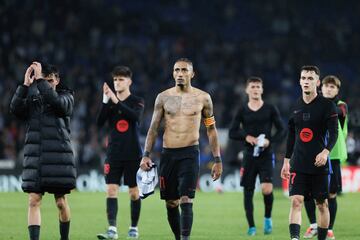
307 92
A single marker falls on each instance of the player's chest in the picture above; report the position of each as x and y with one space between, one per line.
120 123
262 116
117 114
180 105
309 115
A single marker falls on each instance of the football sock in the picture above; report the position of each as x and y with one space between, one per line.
173 215
332 210
111 209
313 225
186 218
34 232
311 210
294 230
268 202
64 230
249 207
135 211
322 232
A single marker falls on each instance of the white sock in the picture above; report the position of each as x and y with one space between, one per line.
112 228
135 228
313 225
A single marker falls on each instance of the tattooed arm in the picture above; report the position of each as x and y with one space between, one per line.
207 113
158 114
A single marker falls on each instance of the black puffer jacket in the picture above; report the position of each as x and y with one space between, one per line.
49 164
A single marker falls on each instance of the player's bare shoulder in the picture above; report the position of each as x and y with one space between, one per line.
206 101
163 96
199 92
196 97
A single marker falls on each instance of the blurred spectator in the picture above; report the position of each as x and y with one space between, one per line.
228 42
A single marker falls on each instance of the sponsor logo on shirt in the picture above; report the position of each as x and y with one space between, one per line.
306 134
122 125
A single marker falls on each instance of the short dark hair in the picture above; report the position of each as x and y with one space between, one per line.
185 60
49 69
331 79
253 79
311 68
123 71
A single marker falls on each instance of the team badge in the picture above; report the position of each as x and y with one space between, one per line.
306 116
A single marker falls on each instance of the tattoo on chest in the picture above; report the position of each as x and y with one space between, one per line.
172 104
188 105
191 106
191 103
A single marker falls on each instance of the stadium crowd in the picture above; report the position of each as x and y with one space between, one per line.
228 42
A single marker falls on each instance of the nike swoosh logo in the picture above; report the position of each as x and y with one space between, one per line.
297 111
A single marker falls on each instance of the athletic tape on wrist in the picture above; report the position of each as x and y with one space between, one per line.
105 98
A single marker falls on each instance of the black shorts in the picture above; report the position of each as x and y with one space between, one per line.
114 173
335 178
310 186
179 169
253 166
55 191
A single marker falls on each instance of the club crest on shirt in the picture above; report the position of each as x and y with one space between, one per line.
306 134
122 125
306 116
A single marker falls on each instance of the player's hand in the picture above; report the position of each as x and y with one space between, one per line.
252 140
266 143
285 171
29 77
37 70
216 171
146 163
322 158
108 92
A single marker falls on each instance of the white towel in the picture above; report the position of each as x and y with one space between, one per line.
146 181
259 147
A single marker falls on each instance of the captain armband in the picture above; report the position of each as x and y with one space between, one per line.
209 121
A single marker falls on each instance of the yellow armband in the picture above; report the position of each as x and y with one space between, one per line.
209 121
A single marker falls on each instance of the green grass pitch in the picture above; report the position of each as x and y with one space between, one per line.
216 216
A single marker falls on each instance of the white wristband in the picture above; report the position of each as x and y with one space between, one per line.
105 98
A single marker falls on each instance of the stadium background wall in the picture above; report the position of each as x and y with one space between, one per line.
92 180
